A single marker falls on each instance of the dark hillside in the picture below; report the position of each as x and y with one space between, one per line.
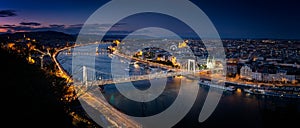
29 99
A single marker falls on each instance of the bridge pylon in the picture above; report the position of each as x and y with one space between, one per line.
84 75
191 65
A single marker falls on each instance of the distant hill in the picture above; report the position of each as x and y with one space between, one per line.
46 38
40 35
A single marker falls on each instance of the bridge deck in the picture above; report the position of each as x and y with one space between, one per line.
131 78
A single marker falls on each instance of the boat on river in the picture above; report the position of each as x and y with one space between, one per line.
209 84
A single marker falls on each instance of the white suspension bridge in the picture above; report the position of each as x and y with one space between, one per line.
107 78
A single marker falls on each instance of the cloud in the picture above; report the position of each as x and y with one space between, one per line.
98 29
56 26
75 25
120 24
21 28
13 28
7 26
29 28
109 25
7 13
30 23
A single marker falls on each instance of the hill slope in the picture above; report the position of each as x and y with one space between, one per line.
28 99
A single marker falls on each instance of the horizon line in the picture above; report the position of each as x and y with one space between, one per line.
185 37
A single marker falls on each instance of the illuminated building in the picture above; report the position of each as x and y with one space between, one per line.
139 53
183 44
210 63
10 45
246 73
231 69
30 60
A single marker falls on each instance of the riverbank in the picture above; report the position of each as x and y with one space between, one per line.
264 90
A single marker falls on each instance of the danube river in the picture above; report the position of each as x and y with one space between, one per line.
236 109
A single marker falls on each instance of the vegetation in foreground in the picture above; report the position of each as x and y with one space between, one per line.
37 98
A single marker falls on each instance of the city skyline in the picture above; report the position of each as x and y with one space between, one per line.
155 63
232 19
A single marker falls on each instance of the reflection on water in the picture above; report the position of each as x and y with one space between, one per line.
243 110
235 109
142 109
